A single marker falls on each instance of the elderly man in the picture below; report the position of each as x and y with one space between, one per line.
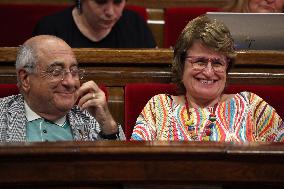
49 82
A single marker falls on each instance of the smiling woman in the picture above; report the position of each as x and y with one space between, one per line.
201 111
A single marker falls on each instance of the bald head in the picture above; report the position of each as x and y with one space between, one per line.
37 50
34 48
43 42
42 39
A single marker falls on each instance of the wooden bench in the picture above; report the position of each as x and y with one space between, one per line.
156 165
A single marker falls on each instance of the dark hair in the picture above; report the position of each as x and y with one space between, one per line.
78 4
212 33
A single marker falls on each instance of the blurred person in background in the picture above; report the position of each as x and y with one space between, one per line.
98 24
256 6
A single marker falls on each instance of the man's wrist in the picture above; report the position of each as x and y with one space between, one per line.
109 127
113 136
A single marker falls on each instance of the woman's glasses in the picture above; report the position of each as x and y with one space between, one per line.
200 63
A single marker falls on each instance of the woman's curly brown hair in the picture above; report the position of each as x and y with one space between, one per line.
212 33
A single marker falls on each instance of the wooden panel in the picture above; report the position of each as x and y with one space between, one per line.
156 24
116 103
148 57
260 58
118 67
114 164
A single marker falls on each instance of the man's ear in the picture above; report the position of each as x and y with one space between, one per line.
24 79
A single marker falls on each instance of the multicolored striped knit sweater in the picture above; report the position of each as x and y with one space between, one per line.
244 118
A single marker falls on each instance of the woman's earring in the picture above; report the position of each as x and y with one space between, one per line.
79 6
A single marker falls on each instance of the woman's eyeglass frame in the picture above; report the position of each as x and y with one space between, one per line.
199 63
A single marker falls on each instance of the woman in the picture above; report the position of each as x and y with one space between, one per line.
256 6
98 24
203 55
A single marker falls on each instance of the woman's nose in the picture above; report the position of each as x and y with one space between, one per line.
208 70
109 8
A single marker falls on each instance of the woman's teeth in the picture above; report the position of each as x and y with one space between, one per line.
206 81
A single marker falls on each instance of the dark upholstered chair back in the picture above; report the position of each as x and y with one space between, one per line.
136 96
177 18
19 20
8 90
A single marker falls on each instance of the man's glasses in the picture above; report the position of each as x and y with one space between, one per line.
59 74
200 63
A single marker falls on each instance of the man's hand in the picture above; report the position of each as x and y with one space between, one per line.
93 99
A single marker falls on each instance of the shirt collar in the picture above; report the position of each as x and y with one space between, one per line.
31 115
